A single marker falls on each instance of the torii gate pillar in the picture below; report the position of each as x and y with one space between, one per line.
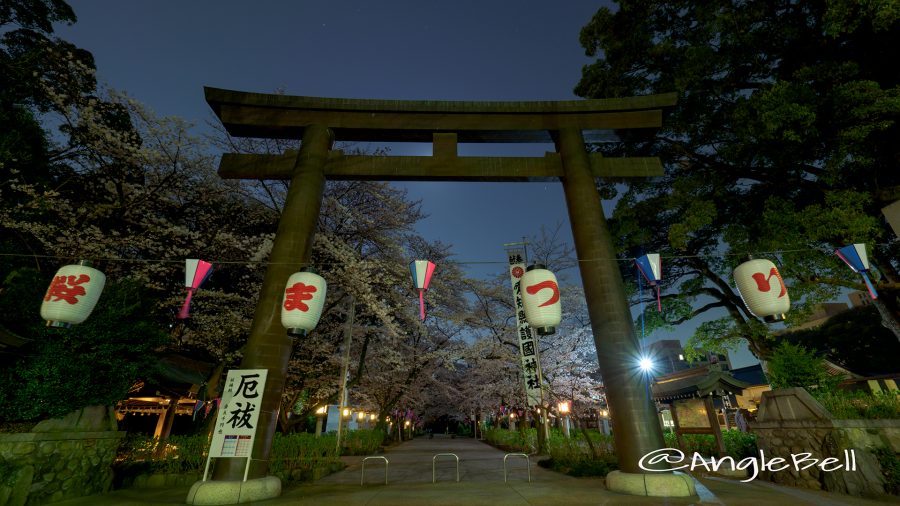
635 432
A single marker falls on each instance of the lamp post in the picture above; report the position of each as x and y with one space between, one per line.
320 415
512 421
604 421
563 407
345 366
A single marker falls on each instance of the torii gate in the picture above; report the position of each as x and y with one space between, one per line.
318 122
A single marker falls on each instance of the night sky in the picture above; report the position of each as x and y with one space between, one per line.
163 52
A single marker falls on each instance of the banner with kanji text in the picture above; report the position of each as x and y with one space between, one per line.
528 345
238 413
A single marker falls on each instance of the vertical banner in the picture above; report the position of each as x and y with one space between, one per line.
528 346
238 414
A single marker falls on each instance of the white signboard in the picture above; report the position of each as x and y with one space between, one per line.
528 346
237 417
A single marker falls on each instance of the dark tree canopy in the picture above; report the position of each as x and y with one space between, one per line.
854 340
783 144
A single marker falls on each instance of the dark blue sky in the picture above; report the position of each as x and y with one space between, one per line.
163 53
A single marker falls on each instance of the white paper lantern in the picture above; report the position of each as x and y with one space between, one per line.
304 296
72 295
540 296
763 290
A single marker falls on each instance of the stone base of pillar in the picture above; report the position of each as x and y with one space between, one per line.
234 492
654 485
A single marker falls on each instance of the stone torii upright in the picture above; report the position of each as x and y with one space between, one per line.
318 122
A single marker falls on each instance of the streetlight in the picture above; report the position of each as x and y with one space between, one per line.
563 408
604 421
360 418
346 415
512 421
320 415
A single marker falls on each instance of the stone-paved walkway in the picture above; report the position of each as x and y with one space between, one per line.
481 483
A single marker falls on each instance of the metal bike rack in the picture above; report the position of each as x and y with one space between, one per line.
362 479
527 463
433 475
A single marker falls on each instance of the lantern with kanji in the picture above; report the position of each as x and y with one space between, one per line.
650 267
72 295
421 271
855 257
540 296
304 297
195 273
762 289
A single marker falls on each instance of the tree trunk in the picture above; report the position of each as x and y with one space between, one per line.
888 317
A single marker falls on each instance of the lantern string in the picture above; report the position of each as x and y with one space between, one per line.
463 262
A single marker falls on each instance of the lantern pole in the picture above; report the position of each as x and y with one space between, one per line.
345 366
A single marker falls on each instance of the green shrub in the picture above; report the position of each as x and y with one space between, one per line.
298 457
362 442
844 405
890 468
138 454
520 441
737 444
293 457
740 444
576 457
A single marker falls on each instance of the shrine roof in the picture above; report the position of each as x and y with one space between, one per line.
704 382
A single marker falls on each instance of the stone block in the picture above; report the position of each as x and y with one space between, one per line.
89 419
21 486
653 485
24 449
156 481
234 492
866 480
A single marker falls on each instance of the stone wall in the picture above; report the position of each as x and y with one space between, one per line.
791 422
60 459
54 466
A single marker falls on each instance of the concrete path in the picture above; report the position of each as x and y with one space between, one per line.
481 483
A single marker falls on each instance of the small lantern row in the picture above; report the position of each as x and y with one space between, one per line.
421 271
762 289
650 267
855 257
304 298
540 296
72 294
75 289
195 273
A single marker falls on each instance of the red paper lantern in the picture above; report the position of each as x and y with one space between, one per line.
304 297
540 296
762 289
72 295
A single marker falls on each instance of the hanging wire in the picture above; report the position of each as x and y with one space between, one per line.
465 262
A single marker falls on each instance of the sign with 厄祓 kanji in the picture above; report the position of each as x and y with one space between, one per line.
528 347
238 414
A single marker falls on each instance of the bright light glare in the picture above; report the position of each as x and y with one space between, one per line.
646 364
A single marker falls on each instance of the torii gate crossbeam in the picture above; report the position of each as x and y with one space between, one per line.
318 122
